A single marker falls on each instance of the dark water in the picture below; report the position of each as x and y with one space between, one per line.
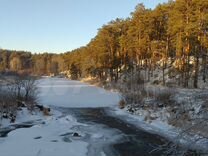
136 142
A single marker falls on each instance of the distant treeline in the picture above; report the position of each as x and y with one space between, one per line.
26 62
176 31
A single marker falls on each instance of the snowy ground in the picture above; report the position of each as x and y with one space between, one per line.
23 116
43 140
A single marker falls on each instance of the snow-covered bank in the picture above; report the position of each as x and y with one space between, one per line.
175 113
65 93
162 128
23 115
44 140
181 117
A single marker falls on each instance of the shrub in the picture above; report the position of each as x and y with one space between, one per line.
122 104
132 89
164 96
20 91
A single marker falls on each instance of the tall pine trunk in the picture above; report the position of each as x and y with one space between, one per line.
196 72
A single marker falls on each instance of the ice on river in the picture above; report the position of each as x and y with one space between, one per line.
43 140
66 93
55 137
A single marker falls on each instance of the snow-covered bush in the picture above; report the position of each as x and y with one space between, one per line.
164 96
25 90
18 92
8 104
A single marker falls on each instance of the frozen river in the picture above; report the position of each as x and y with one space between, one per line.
74 94
82 109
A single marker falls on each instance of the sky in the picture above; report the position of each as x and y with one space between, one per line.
57 26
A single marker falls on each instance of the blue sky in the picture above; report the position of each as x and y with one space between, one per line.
58 25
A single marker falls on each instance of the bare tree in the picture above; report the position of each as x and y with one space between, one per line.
29 86
20 91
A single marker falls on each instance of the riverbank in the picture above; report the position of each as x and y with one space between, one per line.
179 121
50 136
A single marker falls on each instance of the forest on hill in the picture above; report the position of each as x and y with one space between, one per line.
172 38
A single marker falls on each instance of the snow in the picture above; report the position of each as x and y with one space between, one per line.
23 116
43 140
55 137
155 126
160 127
65 93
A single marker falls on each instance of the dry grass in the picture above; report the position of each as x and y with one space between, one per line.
46 112
122 104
